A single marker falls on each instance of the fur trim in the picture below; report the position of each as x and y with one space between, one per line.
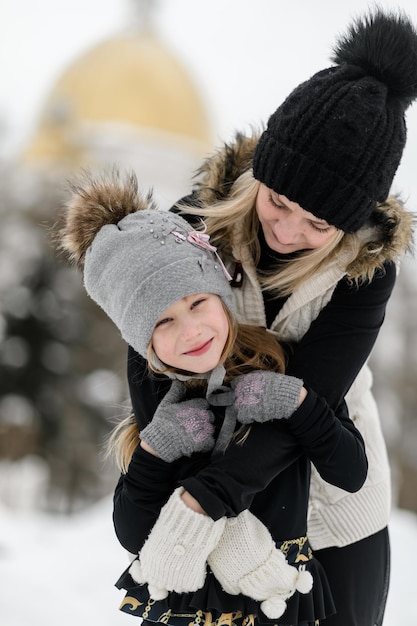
388 237
218 173
95 202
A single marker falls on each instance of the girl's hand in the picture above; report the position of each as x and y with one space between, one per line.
192 503
246 560
174 556
262 396
148 448
179 427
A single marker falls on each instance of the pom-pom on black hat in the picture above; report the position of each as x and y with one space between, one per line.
335 143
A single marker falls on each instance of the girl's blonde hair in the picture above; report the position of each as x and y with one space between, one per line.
234 220
242 354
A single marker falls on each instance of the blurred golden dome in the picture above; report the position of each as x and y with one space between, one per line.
126 81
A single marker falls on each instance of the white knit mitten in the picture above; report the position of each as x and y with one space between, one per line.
246 560
174 556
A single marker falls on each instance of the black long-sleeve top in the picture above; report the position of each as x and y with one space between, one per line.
269 474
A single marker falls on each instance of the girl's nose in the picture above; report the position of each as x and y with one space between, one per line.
190 329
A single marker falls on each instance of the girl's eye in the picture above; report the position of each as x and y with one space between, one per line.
163 322
197 302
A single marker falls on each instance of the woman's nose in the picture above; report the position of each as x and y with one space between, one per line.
287 229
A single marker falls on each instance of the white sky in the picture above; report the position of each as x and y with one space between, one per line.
245 55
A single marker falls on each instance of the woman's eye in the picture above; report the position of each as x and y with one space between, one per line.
276 204
323 229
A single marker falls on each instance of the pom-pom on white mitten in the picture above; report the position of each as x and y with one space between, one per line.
246 560
304 582
274 607
174 556
276 570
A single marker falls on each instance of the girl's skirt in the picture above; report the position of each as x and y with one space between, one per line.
211 606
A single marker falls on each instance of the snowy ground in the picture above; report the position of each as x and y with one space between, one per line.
62 570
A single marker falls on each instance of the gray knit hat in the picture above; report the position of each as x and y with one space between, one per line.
137 260
137 268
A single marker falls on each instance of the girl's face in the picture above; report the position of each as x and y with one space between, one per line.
287 227
191 334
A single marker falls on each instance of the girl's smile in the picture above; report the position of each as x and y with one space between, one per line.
191 334
199 350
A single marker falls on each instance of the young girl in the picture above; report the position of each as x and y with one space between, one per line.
302 219
206 482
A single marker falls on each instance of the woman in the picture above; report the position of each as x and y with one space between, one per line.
146 269
302 218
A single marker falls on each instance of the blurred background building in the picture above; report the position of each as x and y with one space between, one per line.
127 100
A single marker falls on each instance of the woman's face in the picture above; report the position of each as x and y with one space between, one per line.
191 334
287 227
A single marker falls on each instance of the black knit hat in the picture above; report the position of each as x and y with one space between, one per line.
335 143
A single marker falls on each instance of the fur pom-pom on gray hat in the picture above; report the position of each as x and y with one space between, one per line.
335 143
136 260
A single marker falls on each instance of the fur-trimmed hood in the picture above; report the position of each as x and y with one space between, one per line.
386 237
96 201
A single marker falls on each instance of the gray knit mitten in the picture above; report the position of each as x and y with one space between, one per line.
180 427
262 396
246 560
174 556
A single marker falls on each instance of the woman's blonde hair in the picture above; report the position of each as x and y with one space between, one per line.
234 221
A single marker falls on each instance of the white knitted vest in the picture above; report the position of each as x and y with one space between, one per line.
336 517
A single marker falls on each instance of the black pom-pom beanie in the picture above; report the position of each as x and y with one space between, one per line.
335 143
